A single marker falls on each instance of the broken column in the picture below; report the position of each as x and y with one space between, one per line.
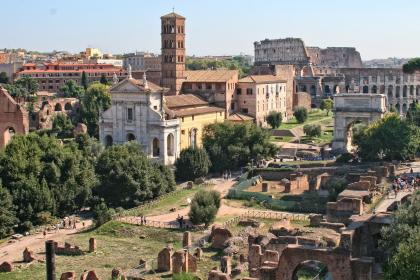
92 245
186 239
226 265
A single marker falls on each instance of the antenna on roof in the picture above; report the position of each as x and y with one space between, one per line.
173 9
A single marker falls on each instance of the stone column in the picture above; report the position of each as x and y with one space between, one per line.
50 259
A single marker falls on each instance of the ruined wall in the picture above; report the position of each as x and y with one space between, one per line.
335 57
13 118
302 99
281 51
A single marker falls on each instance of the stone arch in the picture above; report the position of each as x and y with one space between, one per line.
365 89
338 262
108 141
68 106
405 91
404 108
351 108
170 144
303 88
155 147
309 263
382 89
412 90
374 89
327 89
347 88
130 137
398 107
193 137
336 89
58 107
390 91
397 92
418 91
8 134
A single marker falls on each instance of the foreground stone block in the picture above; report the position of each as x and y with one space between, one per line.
70 275
6 267
28 255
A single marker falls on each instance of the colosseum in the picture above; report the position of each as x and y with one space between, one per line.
325 72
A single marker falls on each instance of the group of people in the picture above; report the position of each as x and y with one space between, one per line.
405 182
143 220
180 220
227 175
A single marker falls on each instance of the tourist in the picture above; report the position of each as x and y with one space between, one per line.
45 234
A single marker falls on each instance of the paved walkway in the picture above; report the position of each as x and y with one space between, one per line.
12 252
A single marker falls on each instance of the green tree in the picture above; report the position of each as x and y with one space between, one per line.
326 104
413 114
96 100
102 214
7 215
192 163
44 175
312 130
204 207
412 65
301 114
274 119
401 241
71 89
231 145
27 83
3 78
390 138
84 81
62 125
127 177
103 80
17 92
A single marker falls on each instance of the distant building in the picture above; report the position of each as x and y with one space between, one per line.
141 61
51 76
93 52
258 95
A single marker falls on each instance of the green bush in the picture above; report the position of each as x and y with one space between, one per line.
335 187
102 214
344 158
274 119
301 114
184 276
312 130
192 163
204 207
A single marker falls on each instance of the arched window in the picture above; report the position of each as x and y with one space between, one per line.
68 107
156 148
8 133
131 137
404 91
374 89
193 138
170 145
365 89
108 140
58 107
397 91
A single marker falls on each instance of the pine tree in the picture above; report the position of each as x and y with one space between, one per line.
84 80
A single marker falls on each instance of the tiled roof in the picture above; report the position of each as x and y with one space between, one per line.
261 79
172 15
238 117
219 75
198 111
184 100
151 86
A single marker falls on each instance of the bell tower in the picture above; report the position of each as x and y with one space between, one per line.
173 52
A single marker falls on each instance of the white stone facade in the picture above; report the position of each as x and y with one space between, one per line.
137 114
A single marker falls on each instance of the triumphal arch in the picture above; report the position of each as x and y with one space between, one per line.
351 108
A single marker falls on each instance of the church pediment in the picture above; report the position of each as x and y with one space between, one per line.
125 86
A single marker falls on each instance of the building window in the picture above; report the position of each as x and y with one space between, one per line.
245 110
249 91
238 91
156 148
192 117
183 132
208 86
182 119
193 138
129 114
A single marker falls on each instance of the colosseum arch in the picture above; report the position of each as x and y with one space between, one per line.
418 91
412 90
58 107
352 108
382 89
405 91
397 92
390 91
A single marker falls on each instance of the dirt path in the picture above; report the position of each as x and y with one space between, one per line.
12 252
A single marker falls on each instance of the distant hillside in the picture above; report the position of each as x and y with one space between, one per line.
391 62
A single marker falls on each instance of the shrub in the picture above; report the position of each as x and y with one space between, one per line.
312 130
326 104
344 158
274 119
301 114
184 276
334 187
102 214
204 207
192 163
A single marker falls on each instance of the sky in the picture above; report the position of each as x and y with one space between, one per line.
377 28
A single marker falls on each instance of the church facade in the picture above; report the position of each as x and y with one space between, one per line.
137 113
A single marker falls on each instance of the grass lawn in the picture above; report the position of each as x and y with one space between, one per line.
177 199
315 116
282 138
119 245
326 137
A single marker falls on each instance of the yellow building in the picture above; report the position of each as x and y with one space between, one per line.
194 114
